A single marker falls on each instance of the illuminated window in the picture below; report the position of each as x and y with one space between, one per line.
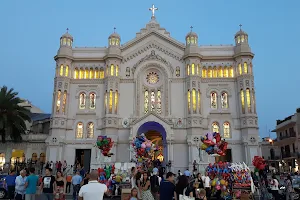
215 72
152 78
86 73
188 40
248 98
152 101
253 101
101 73
193 69
189 101
58 101
82 99
177 71
65 41
146 102
76 73
194 101
215 127
110 101
198 69
64 102
81 73
238 39
112 69
240 69
245 68
69 42
92 101
224 100
243 101
96 73
92 74
116 101
226 130
231 72
61 71
204 72
242 38
220 72
188 69
67 71
225 72
107 70
79 131
158 104
199 101
213 100
105 102
117 70
117 41
192 40
90 130
209 72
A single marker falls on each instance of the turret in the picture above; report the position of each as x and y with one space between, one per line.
114 45
191 40
66 43
241 43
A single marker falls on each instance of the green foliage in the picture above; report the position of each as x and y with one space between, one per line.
13 116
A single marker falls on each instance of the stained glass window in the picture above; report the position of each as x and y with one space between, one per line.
117 70
90 130
193 69
86 73
215 127
199 101
79 130
81 74
245 68
158 104
231 72
105 102
82 98
189 101
243 101
152 99
204 72
213 100
96 73
177 71
152 78
92 74
92 101
76 73
64 102
240 69
225 72
101 73
194 101
110 101
146 102
215 72
224 100
112 69
58 101
116 101
226 129
198 69
209 73
253 101
61 72
188 69
220 72
248 100
67 71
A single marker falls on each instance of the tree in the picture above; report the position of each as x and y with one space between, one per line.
13 116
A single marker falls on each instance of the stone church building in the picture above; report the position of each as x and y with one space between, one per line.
172 92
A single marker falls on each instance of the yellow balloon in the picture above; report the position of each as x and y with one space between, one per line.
140 159
213 183
203 146
222 182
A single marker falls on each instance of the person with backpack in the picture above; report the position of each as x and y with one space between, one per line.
154 183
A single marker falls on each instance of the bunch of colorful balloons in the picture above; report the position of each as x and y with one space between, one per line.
105 144
259 163
214 145
143 147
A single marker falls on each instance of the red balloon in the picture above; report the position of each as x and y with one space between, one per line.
208 142
218 137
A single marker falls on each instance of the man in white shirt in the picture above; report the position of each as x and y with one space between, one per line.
93 190
206 182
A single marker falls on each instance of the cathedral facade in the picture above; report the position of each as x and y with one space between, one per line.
172 92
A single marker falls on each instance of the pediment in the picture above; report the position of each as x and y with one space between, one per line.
151 116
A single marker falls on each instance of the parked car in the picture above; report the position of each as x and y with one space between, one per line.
3 190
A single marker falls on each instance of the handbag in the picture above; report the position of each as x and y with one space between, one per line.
184 197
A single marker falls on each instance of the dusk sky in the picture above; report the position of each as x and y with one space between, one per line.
30 32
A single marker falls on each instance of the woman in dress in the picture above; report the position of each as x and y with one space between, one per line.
60 189
145 187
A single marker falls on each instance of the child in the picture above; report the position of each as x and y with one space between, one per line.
202 194
134 194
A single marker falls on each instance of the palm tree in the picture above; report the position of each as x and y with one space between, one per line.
13 116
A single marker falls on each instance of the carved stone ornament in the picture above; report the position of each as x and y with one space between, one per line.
179 123
125 122
54 140
252 139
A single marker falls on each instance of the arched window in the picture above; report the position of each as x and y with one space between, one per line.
82 99
86 73
215 127
110 101
198 69
116 101
231 75
96 73
76 73
193 69
224 100
243 101
117 70
177 71
189 101
158 103
225 71
204 72
272 154
81 73
101 73
253 101
61 71
194 101
199 101
188 69
105 102
107 70
152 101
213 100
79 130
112 69
220 72
245 68
92 73
248 98
215 72
67 71
64 102
240 69
250 68
209 72
90 130
127 71
92 101
146 102
226 130
58 101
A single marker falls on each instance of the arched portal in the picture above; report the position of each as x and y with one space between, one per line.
155 132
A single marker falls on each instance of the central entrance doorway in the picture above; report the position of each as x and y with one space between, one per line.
83 156
155 132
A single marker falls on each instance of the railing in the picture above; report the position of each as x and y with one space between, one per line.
290 155
274 157
291 134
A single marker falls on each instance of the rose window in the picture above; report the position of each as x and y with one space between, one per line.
152 78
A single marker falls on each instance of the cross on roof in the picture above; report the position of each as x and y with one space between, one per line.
191 28
67 30
153 9
240 26
115 29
